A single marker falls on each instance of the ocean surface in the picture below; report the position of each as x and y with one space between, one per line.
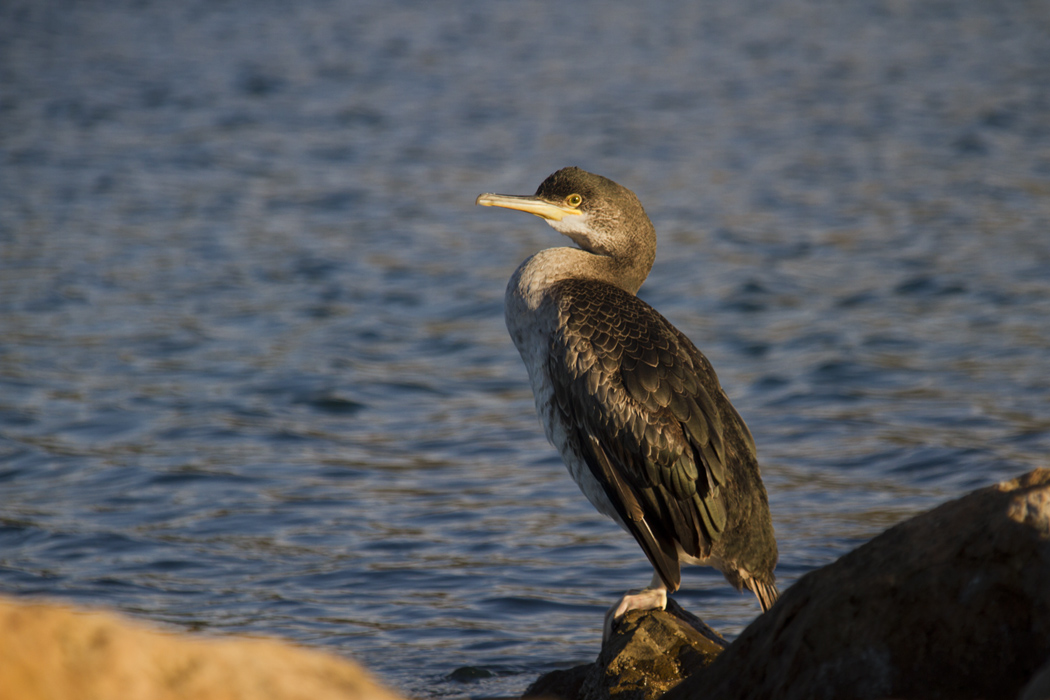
254 375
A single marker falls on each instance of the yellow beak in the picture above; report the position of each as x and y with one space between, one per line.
532 205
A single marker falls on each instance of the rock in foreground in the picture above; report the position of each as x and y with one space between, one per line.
49 652
649 653
954 603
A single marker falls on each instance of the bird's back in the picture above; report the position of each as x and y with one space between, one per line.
642 410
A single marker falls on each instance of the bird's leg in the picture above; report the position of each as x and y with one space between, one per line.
652 597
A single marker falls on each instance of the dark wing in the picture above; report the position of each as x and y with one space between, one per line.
641 400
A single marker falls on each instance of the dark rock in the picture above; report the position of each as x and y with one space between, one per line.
649 653
954 603
1039 687
562 684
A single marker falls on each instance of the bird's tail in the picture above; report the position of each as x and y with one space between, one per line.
766 593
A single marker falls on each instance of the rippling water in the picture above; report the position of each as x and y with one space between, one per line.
253 369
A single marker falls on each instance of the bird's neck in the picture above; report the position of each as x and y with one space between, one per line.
538 273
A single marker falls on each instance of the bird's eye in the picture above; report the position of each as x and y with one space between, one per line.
574 200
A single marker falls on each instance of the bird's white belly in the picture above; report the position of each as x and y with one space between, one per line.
563 438
531 332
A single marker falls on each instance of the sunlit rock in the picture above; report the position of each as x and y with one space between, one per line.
649 653
51 652
953 603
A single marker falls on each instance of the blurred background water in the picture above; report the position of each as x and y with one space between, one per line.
254 375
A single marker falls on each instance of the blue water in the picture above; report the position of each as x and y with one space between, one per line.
254 376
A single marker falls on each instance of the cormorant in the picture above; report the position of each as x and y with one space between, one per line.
635 410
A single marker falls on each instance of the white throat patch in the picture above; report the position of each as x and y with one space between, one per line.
578 224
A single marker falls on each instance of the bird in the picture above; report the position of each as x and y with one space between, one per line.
635 409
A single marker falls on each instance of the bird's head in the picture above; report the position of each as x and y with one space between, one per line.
599 215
